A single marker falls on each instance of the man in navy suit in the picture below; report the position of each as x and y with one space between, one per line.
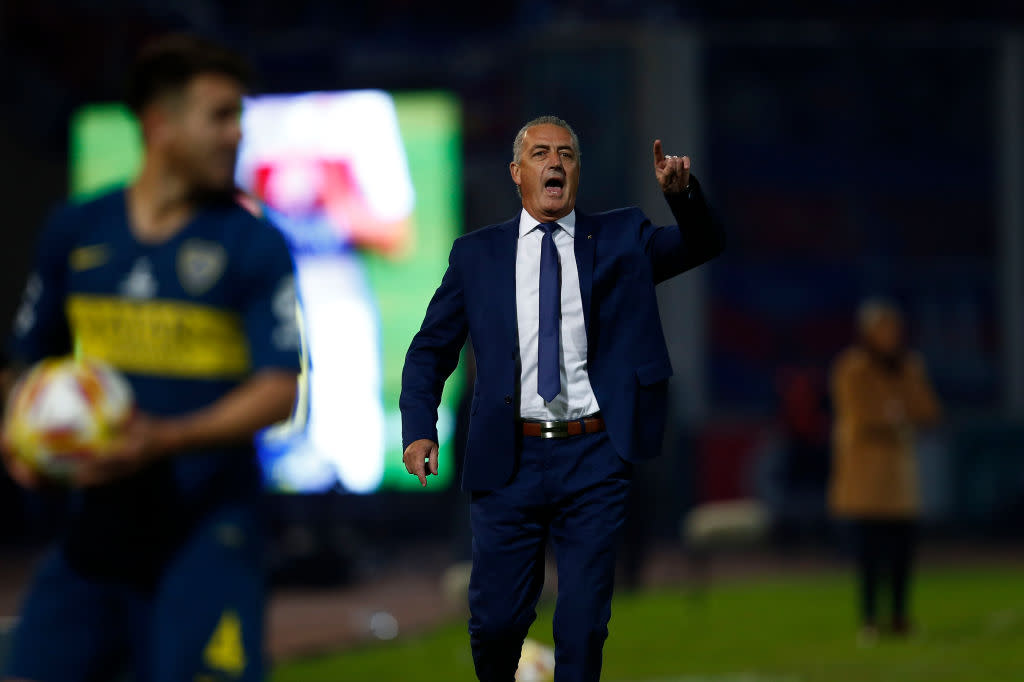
571 388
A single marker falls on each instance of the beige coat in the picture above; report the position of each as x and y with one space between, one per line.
874 470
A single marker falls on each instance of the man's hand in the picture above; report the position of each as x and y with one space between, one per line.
143 440
20 472
672 172
416 456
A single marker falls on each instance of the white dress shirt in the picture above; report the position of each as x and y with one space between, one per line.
577 396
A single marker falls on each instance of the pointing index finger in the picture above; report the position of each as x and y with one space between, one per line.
659 156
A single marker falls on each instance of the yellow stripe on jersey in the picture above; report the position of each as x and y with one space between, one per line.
160 337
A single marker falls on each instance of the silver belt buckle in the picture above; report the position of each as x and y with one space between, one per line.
553 429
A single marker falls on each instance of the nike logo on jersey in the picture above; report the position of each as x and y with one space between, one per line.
89 257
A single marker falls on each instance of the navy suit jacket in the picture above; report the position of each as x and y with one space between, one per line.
620 256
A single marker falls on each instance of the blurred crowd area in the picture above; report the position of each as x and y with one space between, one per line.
852 149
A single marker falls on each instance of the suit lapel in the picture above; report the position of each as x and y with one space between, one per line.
506 243
584 244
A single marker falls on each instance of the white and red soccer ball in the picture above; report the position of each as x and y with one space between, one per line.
64 410
536 663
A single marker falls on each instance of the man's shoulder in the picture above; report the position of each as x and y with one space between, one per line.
102 205
624 214
237 228
74 220
257 228
234 215
853 359
249 247
916 362
108 201
485 233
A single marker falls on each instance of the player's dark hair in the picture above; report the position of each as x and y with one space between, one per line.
168 64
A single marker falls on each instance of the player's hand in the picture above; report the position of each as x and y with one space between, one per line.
418 455
142 440
672 172
19 472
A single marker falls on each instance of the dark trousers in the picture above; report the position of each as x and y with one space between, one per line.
572 491
885 552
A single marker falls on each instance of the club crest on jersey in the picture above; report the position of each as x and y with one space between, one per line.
200 265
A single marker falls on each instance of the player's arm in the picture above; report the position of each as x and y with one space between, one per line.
262 400
432 357
40 327
9 374
697 236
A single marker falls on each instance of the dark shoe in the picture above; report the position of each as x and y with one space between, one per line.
901 628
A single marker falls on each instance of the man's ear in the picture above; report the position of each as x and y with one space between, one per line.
159 119
513 168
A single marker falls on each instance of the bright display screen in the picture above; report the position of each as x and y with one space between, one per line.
365 186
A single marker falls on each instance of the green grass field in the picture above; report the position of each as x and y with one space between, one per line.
801 629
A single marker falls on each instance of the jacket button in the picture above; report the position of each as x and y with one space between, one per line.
508 400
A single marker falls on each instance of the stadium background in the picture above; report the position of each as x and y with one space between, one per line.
851 148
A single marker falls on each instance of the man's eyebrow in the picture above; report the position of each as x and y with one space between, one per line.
544 146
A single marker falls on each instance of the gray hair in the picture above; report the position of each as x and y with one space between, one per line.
517 144
874 309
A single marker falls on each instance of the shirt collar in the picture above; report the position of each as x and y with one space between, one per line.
528 223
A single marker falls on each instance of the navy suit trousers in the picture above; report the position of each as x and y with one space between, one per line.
572 491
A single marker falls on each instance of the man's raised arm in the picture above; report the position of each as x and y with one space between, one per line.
697 236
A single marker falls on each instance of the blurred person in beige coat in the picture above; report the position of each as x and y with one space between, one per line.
881 396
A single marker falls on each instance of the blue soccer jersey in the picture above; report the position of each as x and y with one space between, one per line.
186 320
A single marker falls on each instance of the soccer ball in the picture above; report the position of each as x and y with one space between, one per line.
64 410
536 663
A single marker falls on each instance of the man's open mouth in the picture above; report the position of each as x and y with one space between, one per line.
553 187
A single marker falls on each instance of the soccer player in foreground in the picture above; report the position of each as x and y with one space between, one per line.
192 298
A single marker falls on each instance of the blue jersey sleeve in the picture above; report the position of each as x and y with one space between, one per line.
40 326
270 306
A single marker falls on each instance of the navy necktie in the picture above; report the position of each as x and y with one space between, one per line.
549 383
